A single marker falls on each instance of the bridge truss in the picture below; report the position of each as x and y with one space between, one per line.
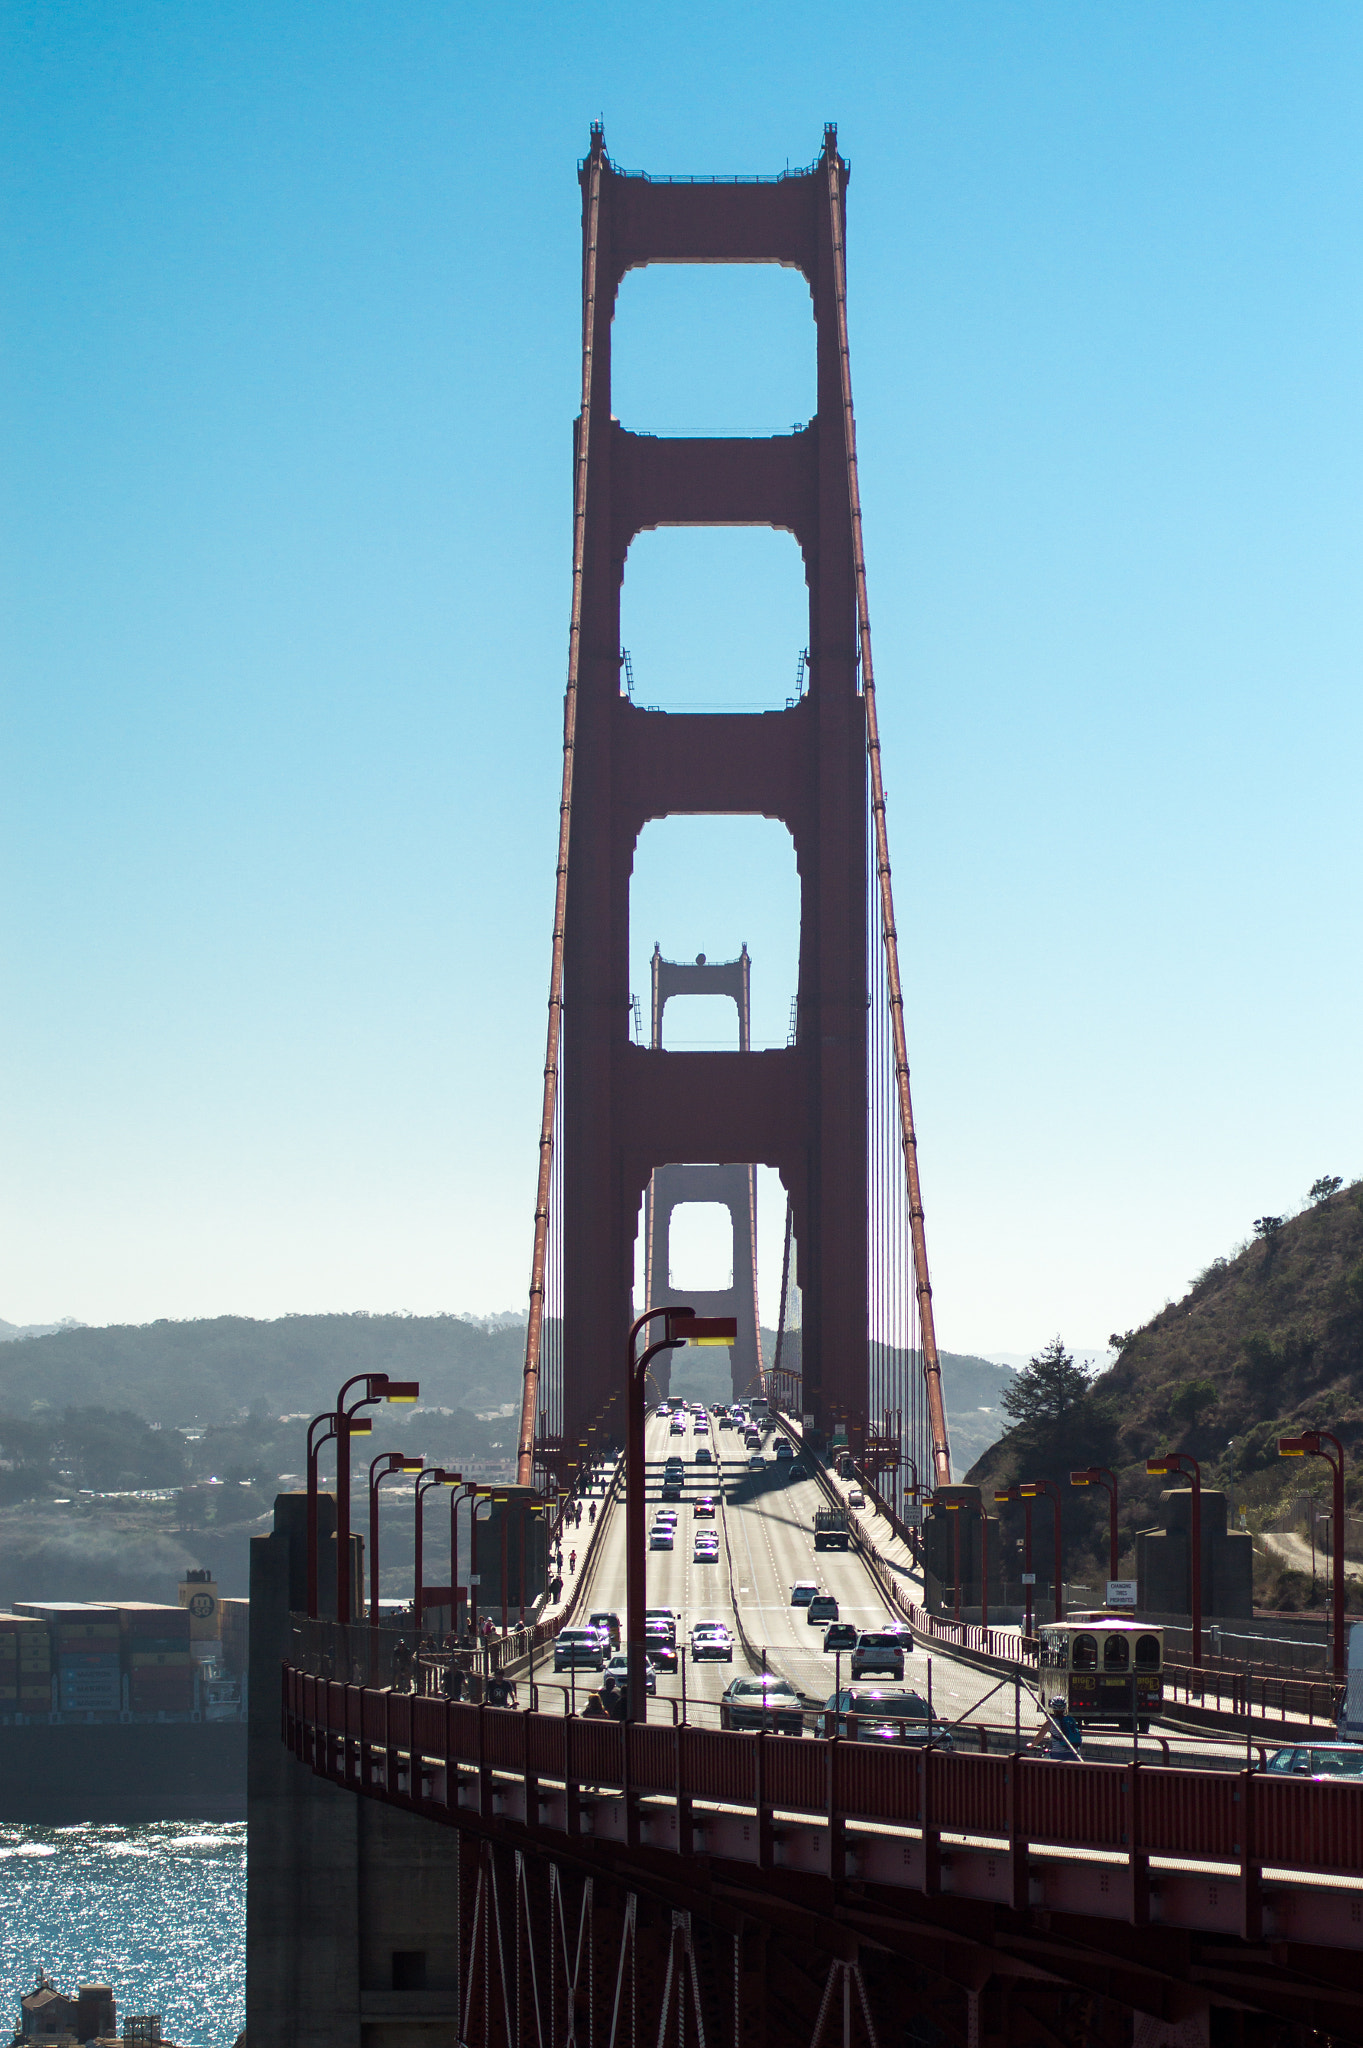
832 1111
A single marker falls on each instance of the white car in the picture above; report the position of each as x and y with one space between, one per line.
618 1669
712 1639
756 1462
579 1646
662 1536
856 1498
706 1549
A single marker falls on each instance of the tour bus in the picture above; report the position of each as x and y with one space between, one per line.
1108 1670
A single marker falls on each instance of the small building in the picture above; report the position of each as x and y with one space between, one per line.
49 2016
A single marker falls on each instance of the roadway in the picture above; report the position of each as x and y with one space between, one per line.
766 1536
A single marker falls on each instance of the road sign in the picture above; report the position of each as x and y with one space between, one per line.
1121 1592
1029 1578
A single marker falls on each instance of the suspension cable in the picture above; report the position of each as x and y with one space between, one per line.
932 1370
534 1335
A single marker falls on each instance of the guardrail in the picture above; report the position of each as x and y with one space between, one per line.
411 1750
1252 1694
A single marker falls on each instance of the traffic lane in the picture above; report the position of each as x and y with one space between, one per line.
773 1530
698 1592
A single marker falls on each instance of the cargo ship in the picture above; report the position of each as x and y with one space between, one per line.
124 1711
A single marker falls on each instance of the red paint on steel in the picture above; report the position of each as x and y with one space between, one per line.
932 1370
1204 1816
534 1335
627 1109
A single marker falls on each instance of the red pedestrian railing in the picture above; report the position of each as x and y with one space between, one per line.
1249 1692
396 1745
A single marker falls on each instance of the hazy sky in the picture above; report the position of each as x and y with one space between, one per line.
291 330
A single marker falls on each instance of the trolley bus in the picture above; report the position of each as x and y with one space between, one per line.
1109 1671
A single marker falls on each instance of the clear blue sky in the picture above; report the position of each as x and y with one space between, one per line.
290 333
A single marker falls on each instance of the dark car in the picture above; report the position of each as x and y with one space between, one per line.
886 1714
840 1635
608 1623
764 1701
659 1646
1319 1760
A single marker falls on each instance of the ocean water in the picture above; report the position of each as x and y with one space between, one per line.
158 1912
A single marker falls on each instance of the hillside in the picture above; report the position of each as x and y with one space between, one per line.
195 1373
1265 1341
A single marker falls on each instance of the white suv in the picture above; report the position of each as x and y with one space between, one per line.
879 1652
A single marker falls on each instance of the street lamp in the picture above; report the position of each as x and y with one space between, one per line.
1098 1475
1184 1461
1037 1489
379 1469
424 1484
377 1387
1015 1493
477 1493
360 1427
1321 1443
455 1500
679 1325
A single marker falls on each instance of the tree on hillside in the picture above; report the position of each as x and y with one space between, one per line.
1059 1419
1191 1399
1328 1184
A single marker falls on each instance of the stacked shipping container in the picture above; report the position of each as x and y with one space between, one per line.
85 1655
157 1658
25 1665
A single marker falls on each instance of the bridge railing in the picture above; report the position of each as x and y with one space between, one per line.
378 1741
1251 1693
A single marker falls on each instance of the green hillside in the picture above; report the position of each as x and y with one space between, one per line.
195 1373
1266 1341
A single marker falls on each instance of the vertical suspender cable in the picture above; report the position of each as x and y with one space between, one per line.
534 1335
932 1371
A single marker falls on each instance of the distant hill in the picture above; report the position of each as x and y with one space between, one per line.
1266 1341
194 1373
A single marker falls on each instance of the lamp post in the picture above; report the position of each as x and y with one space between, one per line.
1322 1443
377 1387
477 1493
379 1469
424 1484
680 1325
1036 1489
1183 1461
455 1499
1014 1493
1098 1475
984 1565
315 1444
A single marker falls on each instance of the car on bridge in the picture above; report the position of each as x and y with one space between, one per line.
1320 1760
712 1639
856 1498
876 1714
762 1701
672 1489
662 1651
823 1607
618 1669
662 1413
704 1455
703 1510
662 1536
878 1652
609 1625
784 1449
678 1425
580 1647
706 1547
803 1591
756 1462
841 1635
